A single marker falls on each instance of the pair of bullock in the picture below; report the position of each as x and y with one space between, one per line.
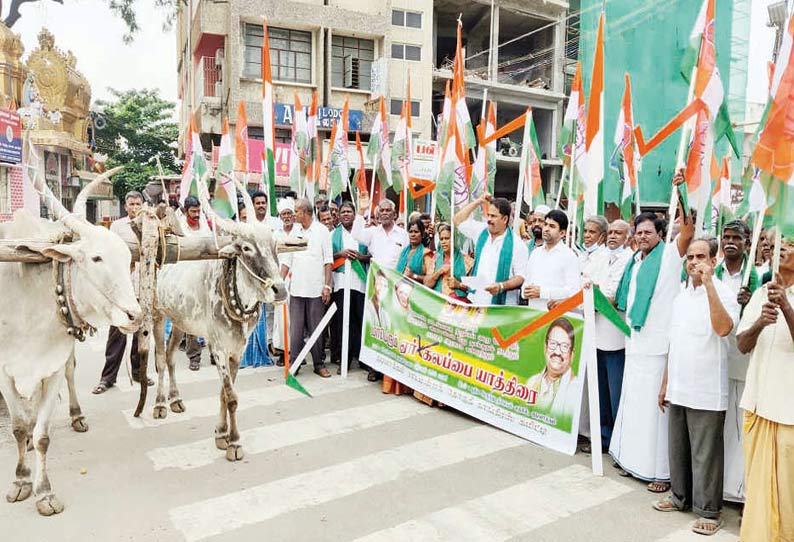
88 285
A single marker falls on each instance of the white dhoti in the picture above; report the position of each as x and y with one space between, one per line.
733 483
278 325
639 439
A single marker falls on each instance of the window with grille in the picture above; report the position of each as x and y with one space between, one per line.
5 191
290 54
351 62
401 51
396 107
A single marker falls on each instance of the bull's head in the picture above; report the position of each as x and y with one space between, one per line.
254 246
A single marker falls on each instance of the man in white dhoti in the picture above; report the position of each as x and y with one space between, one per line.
650 282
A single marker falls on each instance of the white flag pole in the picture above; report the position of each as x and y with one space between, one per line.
759 219
591 364
346 319
312 339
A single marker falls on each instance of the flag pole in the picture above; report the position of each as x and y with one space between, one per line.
679 160
559 190
285 315
759 220
346 319
573 198
776 251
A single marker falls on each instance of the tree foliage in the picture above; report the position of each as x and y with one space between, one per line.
139 128
124 9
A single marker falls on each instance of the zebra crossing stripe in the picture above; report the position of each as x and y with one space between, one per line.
221 514
512 511
263 396
288 433
206 374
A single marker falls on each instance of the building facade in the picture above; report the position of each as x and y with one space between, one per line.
364 50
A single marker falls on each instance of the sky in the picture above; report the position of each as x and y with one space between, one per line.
93 34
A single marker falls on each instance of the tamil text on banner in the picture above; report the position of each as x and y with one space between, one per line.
447 350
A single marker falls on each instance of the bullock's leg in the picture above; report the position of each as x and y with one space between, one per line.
21 488
222 427
234 452
47 503
78 420
174 397
161 362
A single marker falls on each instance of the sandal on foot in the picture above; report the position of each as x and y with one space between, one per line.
102 387
667 504
707 526
659 487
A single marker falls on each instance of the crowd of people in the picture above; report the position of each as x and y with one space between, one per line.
693 402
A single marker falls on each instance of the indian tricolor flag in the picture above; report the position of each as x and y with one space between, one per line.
451 179
774 154
572 139
361 173
446 111
698 166
700 62
338 167
313 158
721 195
625 157
195 166
378 147
484 170
529 168
571 117
241 140
225 201
465 127
593 173
268 125
298 149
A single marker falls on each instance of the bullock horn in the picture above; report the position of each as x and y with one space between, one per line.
249 204
80 201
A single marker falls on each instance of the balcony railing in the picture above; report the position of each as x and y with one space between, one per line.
208 78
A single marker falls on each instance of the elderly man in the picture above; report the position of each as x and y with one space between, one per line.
766 332
117 341
555 385
605 271
500 257
594 237
695 389
310 287
552 273
735 246
275 318
650 282
384 241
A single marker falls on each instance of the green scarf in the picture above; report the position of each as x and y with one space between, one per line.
753 285
357 266
458 271
647 276
416 265
503 267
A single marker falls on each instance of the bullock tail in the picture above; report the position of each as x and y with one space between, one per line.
143 356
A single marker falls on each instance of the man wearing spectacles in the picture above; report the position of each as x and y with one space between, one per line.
555 384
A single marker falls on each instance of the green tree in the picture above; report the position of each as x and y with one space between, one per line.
139 128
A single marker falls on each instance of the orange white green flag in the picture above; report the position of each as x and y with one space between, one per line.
268 126
225 201
625 158
313 155
529 179
451 176
338 166
241 140
378 147
593 172
465 127
299 148
484 170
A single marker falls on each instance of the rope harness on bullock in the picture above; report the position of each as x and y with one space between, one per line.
75 326
230 295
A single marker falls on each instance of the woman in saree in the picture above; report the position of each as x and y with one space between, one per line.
440 279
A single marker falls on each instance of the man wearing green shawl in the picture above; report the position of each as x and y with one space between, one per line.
651 281
500 257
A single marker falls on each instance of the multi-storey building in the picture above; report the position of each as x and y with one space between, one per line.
514 53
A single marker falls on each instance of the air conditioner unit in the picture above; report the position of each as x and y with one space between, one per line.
351 72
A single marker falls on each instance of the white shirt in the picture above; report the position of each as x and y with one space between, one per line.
697 366
556 397
307 267
383 246
605 269
770 377
489 260
339 278
587 254
654 337
555 270
123 228
189 232
737 362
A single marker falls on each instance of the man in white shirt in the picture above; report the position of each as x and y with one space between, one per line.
346 248
650 282
310 287
696 388
500 256
117 341
552 273
193 225
555 385
605 270
384 241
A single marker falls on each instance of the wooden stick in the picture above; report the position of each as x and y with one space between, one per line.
759 220
286 339
346 318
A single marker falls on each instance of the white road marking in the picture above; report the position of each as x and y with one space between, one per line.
264 439
185 376
687 535
218 515
510 512
263 396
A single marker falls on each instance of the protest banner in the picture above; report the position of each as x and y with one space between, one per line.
448 350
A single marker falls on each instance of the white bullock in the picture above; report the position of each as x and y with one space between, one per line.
220 301
46 306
